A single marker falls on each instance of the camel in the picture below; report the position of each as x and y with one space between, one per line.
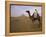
35 19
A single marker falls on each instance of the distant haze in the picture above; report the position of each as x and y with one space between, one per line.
17 10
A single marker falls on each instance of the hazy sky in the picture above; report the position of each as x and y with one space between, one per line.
17 10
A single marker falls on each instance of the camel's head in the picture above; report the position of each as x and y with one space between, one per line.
28 11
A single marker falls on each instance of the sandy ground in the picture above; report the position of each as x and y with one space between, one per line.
24 24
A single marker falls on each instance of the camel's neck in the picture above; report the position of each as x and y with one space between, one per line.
29 15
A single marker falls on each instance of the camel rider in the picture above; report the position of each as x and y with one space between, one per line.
36 15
